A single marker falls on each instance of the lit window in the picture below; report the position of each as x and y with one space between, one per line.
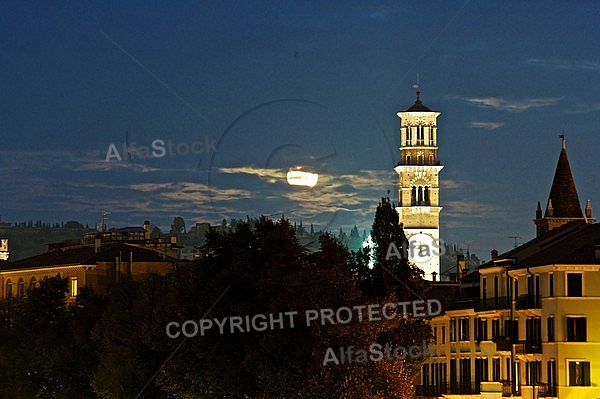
74 286
579 374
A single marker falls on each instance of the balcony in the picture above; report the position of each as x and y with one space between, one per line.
545 391
506 388
503 344
457 388
492 304
431 391
528 302
528 347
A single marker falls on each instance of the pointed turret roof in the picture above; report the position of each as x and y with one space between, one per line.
563 194
418 106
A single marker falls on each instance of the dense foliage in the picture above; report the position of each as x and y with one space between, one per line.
115 345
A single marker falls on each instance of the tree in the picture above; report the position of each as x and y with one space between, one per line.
72 224
45 351
178 226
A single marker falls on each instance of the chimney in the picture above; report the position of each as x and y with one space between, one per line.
588 209
147 228
494 254
434 276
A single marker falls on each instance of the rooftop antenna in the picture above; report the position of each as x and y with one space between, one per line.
416 84
515 237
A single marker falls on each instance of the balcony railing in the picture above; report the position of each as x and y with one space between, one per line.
503 344
545 390
506 388
460 388
528 347
493 303
528 302
431 391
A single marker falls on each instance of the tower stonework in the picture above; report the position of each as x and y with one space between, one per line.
418 194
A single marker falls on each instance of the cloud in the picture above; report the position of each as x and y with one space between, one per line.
486 125
449 184
469 209
512 105
559 64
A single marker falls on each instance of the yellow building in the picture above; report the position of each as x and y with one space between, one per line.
96 261
527 323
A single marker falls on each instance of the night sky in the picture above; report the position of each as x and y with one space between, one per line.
279 84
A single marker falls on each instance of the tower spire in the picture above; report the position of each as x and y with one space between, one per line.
563 202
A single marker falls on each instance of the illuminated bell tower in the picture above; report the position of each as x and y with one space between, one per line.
418 202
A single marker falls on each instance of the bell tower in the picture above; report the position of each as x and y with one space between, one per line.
418 201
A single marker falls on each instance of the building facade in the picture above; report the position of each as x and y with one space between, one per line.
418 194
526 322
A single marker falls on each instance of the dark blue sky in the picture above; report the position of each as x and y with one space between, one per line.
277 84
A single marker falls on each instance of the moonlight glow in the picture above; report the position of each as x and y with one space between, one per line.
296 177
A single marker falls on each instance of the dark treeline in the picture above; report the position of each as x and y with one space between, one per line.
114 344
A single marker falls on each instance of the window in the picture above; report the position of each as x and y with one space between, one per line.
425 373
74 290
511 329
9 293
426 195
576 329
533 334
480 326
409 135
496 369
431 159
552 376
453 330
419 159
463 329
453 378
408 159
574 284
481 370
21 289
496 290
537 291
484 291
465 371
495 328
435 335
579 374
551 282
413 199
551 329
516 291
32 285
533 371
443 334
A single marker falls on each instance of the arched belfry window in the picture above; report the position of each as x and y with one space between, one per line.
420 199
413 200
426 196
